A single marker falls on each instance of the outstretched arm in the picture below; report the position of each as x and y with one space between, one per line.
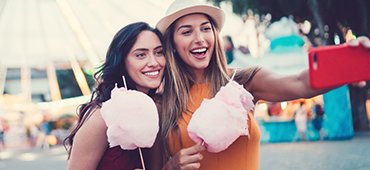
270 86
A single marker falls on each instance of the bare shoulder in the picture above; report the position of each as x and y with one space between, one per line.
95 124
244 76
90 143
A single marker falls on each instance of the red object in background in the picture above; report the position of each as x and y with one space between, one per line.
338 65
274 109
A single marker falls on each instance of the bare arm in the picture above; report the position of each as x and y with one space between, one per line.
89 144
271 86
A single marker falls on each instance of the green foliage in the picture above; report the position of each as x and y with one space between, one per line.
354 14
241 6
216 2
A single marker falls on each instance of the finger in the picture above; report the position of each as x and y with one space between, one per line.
194 149
364 41
353 43
202 143
201 146
193 158
191 166
188 161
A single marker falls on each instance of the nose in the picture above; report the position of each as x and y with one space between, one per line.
152 61
198 37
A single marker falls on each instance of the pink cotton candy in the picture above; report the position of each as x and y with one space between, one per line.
132 119
221 120
235 94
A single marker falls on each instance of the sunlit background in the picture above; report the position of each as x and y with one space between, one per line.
49 50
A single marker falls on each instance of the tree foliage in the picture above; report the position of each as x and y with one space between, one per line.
337 14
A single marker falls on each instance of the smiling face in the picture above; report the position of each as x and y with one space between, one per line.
145 62
194 41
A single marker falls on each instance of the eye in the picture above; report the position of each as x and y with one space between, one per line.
158 53
140 55
207 28
186 32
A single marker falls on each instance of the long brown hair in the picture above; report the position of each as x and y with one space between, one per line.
110 73
179 81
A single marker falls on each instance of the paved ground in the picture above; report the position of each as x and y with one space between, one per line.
322 155
33 159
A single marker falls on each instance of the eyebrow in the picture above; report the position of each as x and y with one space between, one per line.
187 26
141 49
145 49
158 47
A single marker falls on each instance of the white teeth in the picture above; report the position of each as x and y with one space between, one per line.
152 73
199 50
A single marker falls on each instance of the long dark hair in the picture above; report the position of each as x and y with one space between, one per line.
110 73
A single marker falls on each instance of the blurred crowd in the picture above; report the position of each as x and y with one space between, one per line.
47 133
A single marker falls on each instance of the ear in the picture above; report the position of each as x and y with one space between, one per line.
174 50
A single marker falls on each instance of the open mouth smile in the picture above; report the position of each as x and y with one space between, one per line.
199 53
152 73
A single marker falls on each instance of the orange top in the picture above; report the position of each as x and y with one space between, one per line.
242 154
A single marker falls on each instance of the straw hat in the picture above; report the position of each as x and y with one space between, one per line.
180 8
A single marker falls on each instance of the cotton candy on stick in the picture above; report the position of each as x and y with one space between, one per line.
234 94
219 121
132 119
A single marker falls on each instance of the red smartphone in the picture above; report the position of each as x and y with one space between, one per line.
336 65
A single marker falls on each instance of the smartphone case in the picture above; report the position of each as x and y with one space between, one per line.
338 65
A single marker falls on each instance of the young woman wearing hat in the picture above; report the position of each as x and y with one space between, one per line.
196 66
136 53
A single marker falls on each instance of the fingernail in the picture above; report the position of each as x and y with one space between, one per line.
200 156
367 43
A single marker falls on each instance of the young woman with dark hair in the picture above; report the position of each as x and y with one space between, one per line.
135 53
